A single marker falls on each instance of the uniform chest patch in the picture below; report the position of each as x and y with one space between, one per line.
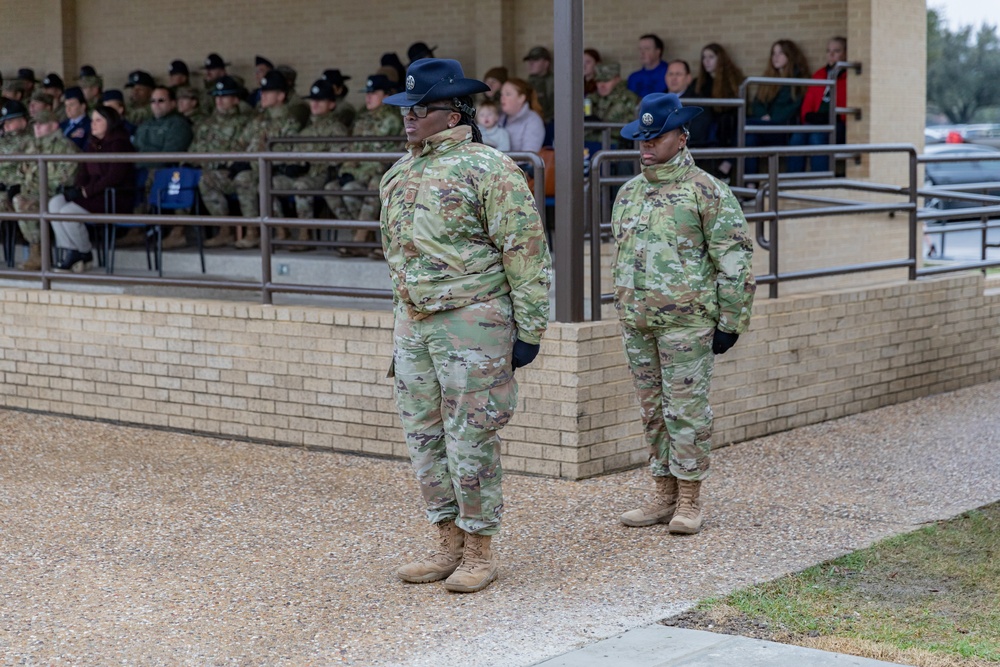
410 196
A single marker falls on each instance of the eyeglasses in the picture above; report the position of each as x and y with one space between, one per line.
421 111
159 100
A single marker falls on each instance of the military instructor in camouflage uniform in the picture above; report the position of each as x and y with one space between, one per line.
471 271
683 291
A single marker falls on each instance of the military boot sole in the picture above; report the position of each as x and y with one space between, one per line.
426 578
474 588
647 521
684 528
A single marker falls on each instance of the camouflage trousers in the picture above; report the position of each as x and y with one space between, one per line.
352 207
30 229
455 389
672 374
303 205
215 186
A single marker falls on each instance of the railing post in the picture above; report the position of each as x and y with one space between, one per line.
913 215
43 222
264 199
772 198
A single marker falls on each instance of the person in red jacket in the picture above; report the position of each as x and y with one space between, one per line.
816 110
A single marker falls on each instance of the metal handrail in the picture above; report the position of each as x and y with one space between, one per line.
264 162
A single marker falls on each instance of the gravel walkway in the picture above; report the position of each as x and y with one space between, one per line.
126 546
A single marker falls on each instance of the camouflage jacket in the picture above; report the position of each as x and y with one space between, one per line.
683 251
10 172
545 87
618 107
326 125
459 226
266 124
138 115
59 173
219 133
385 121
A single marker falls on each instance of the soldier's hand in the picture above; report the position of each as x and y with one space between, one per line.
722 341
524 353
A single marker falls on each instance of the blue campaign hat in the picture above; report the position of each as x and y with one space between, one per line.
274 80
225 85
321 90
431 79
12 109
658 114
113 95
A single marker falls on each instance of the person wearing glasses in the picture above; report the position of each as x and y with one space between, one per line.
470 269
375 120
683 291
166 131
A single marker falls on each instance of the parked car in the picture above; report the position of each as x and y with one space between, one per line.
954 174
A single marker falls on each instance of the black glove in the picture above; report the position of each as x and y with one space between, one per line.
71 192
524 353
13 191
722 341
238 167
345 179
3 187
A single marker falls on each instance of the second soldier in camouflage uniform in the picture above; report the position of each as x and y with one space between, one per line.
312 175
376 120
470 270
683 290
220 133
48 141
16 139
613 102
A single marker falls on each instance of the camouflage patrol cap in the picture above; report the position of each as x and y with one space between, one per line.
43 97
14 86
226 85
12 109
538 53
606 71
45 116
187 92
90 82
86 70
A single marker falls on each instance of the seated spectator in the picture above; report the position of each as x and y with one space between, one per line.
140 89
540 78
345 111
178 74
612 102
76 127
53 85
166 132
419 50
488 120
494 78
650 77
93 88
189 105
816 110
523 119
261 66
13 90
392 61
114 99
719 77
93 180
590 59
40 101
775 104
681 83
26 75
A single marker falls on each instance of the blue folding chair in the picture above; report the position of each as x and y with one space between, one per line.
176 188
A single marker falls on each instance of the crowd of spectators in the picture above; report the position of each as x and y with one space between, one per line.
515 115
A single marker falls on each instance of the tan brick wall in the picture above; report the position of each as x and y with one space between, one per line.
316 377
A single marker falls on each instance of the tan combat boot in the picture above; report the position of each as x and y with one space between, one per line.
175 239
478 568
439 563
223 238
251 239
687 518
302 235
34 261
660 510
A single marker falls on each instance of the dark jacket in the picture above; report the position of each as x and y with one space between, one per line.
79 133
96 177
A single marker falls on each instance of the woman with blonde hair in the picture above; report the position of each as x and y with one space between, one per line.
523 120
